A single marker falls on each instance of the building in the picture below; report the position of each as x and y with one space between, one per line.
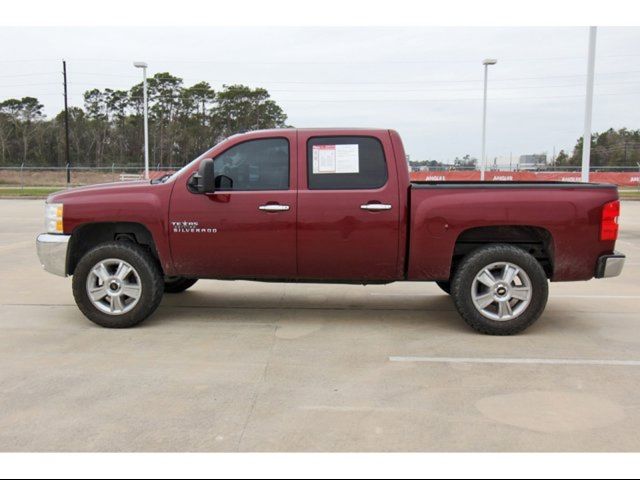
532 162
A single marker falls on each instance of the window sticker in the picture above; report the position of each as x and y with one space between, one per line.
336 159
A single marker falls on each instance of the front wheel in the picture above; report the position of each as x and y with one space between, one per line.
500 289
117 284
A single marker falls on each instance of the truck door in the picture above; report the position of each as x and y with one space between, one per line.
348 207
247 229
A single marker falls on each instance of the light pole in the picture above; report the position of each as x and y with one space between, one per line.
588 105
143 66
483 160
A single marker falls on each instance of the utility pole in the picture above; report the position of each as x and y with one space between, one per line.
143 66
586 139
66 123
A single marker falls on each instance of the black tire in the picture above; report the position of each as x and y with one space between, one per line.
472 265
151 283
445 287
178 284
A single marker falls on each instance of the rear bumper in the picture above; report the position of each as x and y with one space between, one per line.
610 265
52 252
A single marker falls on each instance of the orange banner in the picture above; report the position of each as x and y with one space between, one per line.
623 179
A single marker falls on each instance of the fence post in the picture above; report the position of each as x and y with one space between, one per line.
21 179
68 173
113 172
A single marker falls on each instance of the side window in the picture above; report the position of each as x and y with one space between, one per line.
254 165
342 163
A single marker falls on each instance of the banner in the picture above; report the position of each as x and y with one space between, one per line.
622 179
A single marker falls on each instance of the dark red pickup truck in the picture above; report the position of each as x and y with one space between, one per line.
327 205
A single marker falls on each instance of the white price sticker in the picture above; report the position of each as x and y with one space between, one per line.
336 159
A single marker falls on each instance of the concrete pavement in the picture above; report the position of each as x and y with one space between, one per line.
242 366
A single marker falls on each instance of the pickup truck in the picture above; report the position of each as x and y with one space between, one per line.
327 206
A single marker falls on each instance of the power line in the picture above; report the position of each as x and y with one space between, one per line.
444 89
347 62
290 82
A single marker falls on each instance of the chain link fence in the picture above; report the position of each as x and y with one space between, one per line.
39 176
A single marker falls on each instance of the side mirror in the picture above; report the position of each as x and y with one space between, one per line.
204 180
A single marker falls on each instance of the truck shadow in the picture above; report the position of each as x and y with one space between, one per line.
263 307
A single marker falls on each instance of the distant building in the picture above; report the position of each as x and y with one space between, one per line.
532 162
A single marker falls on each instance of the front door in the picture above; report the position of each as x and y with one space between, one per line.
247 228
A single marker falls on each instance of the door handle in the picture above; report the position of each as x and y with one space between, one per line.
375 207
274 208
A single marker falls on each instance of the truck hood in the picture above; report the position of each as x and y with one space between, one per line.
101 188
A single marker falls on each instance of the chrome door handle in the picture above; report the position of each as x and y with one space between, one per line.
375 207
274 208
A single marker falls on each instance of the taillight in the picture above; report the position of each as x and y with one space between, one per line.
609 222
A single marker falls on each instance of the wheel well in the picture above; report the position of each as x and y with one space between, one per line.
534 240
88 236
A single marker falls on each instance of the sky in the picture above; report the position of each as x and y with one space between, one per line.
425 82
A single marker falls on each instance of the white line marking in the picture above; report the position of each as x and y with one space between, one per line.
550 296
518 361
595 296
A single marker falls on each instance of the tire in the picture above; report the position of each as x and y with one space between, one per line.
178 284
445 287
129 296
515 304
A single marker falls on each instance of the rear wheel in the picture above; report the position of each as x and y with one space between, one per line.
500 289
117 284
178 284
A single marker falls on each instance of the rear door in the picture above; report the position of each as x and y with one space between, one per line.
348 207
247 228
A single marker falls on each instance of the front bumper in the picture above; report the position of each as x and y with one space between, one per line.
610 265
52 252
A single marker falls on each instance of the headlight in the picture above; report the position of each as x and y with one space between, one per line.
53 218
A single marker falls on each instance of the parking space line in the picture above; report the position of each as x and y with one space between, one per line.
518 361
420 294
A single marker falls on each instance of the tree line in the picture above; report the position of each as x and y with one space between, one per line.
612 148
183 122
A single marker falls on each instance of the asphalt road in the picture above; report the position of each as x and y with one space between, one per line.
241 366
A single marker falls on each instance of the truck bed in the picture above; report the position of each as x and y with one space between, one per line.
567 215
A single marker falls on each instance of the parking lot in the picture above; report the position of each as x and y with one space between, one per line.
242 366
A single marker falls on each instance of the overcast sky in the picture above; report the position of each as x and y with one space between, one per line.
424 82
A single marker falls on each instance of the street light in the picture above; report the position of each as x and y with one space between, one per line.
486 63
143 66
588 106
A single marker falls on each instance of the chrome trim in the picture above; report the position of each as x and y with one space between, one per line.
52 252
610 265
274 208
375 207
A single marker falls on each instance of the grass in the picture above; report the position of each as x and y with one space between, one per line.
27 191
629 193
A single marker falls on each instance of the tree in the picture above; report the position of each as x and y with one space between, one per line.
241 109
183 122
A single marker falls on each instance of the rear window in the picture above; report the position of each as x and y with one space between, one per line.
345 163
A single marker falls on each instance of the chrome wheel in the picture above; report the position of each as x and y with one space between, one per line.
501 291
114 286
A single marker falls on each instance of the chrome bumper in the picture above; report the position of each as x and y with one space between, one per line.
52 252
610 265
